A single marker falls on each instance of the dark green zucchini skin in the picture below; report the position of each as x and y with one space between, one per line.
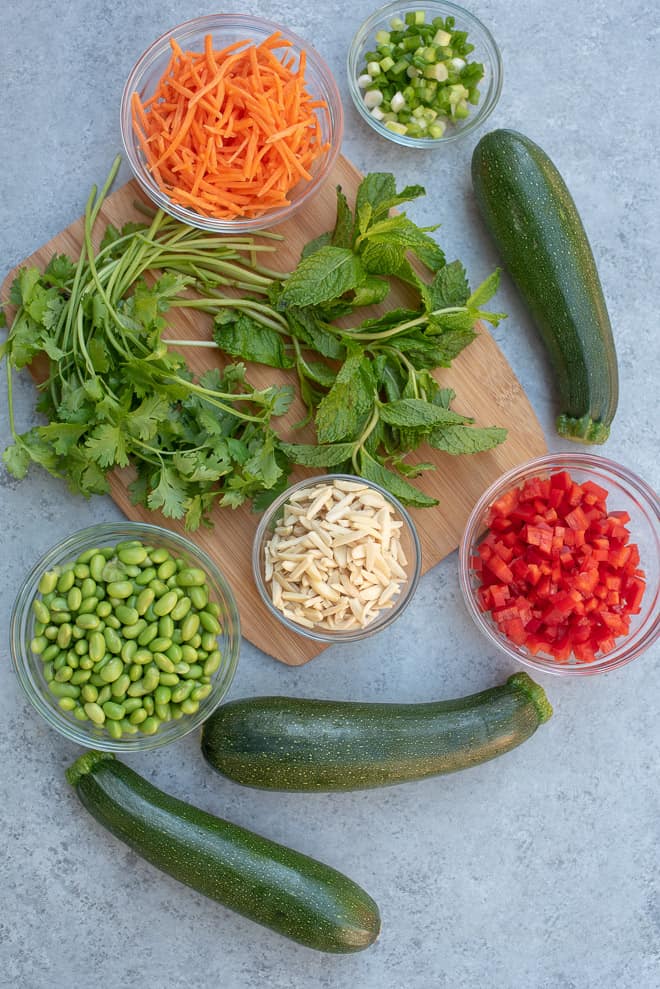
287 743
536 227
289 892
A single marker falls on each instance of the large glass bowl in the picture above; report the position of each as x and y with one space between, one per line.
226 29
485 51
627 492
409 542
29 667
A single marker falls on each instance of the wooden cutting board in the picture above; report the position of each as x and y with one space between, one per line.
485 385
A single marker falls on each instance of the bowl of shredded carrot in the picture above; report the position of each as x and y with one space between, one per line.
231 122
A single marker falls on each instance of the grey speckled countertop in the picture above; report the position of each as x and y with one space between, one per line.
538 871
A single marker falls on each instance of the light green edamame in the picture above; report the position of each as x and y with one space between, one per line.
48 581
96 565
41 611
165 603
113 729
121 685
199 597
181 608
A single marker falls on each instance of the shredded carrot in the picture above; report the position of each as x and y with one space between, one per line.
229 133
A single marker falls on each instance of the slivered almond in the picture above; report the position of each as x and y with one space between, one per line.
335 559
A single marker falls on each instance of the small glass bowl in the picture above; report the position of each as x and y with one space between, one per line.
29 667
225 30
627 492
485 51
409 542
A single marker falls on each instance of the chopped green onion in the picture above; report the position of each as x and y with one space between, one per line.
419 76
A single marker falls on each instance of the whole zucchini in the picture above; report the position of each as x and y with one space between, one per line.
538 232
287 743
271 884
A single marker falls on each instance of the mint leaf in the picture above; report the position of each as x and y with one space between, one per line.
342 235
371 292
322 276
402 232
416 413
343 410
309 455
239 335
376 190
485 291
448 288
450 343
400 488
314 245
310 329
466 439
383 257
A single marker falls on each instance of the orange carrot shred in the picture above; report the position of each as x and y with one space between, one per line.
229 133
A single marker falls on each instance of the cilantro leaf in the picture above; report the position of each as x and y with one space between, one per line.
169 495
107 445
16 459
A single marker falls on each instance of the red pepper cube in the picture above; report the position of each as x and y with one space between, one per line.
623 517
515 631
590 488
505 504
561 481
576 519
499 595
584 652
499 568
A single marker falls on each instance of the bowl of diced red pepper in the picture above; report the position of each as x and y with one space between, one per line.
559 564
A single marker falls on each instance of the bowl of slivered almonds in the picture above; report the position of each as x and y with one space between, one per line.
336 558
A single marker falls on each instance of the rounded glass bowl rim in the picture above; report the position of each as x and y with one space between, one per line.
476 119
392 613
621 654
74 544
239 225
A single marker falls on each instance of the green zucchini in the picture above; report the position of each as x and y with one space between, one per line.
287 743
538 232
273 885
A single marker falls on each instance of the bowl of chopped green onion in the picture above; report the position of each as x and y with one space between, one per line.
424 76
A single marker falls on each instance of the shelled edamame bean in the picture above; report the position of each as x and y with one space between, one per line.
128 637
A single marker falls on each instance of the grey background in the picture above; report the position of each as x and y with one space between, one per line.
539 870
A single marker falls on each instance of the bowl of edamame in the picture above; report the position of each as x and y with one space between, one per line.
125 636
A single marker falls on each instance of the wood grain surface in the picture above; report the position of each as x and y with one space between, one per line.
485 385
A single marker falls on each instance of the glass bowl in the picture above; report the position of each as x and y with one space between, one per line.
29 667
627 492
226 29
409 542
485 51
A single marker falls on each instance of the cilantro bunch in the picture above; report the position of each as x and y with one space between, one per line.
116 395
368 387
